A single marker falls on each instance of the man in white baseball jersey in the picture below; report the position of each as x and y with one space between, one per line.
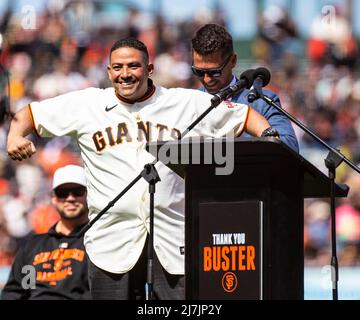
111 128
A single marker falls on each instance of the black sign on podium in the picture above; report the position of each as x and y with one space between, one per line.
230 255
244 222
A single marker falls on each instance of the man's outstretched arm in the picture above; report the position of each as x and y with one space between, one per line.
256 123
18 146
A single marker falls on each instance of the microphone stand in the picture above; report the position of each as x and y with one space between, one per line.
150 174
332 161
152 177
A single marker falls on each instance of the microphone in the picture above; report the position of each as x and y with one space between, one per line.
261 79
246 79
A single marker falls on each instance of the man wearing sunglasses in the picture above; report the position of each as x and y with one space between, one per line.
213 61
54 265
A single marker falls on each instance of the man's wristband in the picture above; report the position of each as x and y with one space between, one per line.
270 132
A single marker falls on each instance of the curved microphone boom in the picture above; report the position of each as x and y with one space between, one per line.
261 78
246 79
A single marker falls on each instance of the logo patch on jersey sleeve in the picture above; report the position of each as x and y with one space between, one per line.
229 104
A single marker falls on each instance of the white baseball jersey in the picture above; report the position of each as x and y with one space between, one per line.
112 135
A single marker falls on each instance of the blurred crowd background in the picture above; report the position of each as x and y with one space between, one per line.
63 45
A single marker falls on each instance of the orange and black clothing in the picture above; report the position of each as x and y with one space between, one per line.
49 266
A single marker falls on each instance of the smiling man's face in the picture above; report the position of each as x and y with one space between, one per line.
128 72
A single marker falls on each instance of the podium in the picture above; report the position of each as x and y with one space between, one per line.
244 229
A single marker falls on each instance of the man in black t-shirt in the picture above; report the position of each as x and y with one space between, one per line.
54 265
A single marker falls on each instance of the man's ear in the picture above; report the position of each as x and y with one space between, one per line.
233 60
108 71
53 198
150 68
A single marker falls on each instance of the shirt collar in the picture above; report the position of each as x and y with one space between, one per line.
232 82
147 95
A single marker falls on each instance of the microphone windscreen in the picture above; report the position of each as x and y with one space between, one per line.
264 74
248 76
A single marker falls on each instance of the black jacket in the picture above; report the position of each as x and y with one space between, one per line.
49 266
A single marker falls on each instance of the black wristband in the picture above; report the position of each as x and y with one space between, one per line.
270 132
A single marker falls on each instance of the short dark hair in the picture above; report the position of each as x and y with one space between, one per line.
131 43
211 38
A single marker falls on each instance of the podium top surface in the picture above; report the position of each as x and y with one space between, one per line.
178 156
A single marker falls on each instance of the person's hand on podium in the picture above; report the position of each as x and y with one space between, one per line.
270 132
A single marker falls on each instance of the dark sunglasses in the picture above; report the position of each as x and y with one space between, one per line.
63 193
213 73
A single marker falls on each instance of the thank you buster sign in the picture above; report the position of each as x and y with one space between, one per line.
230 250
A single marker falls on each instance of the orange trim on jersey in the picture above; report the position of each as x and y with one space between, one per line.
147 95
245 122
32 120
